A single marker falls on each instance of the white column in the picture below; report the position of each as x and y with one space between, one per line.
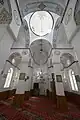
30 73
15 78
20 88
59 85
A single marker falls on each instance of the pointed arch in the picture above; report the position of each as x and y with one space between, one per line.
8 78
73 80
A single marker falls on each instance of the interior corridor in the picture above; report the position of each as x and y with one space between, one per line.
39 59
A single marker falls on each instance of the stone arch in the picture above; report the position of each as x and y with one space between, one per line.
15 58
5 12
66 59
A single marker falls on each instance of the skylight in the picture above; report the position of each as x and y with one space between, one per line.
41 23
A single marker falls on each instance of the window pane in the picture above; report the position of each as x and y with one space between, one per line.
9 77
75 83
73 80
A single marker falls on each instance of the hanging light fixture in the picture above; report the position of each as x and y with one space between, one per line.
41 50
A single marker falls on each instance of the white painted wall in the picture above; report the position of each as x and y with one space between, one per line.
56 57
5 45
16 22
3 79
71 27
29 72
21 38
66 81
76 44
23 85
15 78
60 35
44 85
59 85
6 41
20 89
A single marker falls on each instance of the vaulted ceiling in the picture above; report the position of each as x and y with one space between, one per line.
41 50
56 6
30 6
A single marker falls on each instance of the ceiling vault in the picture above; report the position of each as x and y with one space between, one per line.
65 10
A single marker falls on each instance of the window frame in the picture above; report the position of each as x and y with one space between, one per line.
72 79
8 78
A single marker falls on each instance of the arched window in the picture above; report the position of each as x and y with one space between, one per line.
73 80
8 78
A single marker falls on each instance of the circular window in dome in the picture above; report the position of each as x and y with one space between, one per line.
41 23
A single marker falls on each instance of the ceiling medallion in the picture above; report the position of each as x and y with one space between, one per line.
68 16
41 6
25 10
57 9
57 52
5 17
16 17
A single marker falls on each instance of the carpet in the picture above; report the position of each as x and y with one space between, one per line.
46 109
38 108
9 112
2 117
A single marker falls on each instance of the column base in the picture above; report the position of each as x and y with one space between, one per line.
12 92
50 95
62 103
31 92
18 100
47 92
54 97
27 95
4 95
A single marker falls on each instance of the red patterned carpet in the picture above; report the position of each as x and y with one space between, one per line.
47 110
38 108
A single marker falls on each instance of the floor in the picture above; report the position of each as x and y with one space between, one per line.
38 108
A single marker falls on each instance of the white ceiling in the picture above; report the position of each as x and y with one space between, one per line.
27 6
56 6
40 57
